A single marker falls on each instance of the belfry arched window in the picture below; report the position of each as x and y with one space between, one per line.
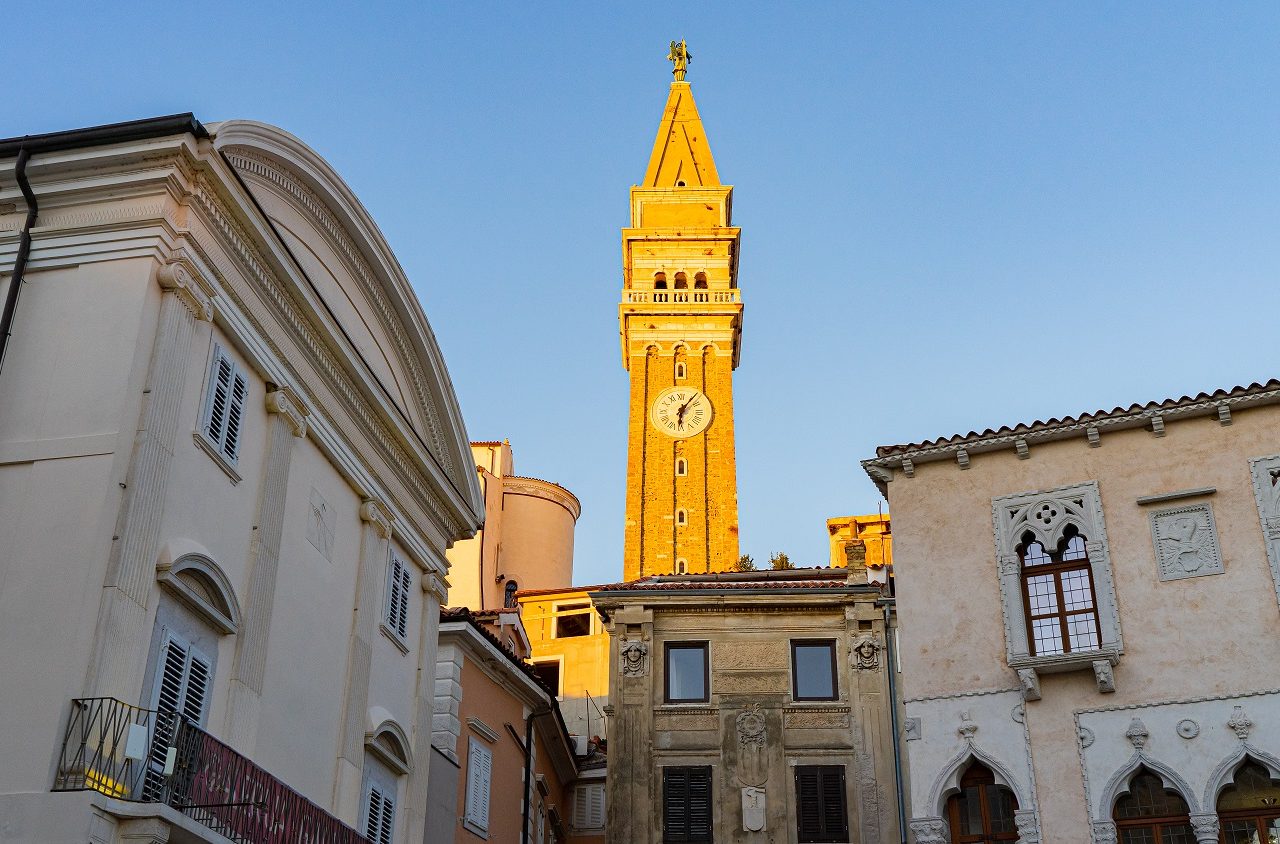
1058 593
700 281
682 281
982 813
682 517
509 593
659 281
1152 814
682 467
1249 808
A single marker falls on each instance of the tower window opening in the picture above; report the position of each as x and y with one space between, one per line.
700 281
682 281
659 281
682 467
680 369
509 593
680 183
682 566
682 517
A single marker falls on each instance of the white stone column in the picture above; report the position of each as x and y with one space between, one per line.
287 422
1206 827
434 592
375 541
114 669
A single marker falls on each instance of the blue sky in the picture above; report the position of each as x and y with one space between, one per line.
954 216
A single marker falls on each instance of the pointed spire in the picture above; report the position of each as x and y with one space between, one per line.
681 156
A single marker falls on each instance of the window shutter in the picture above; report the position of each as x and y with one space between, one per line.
235 416
479 764
595 805
808 815
675 804
835 821
406 581
386 827
820 806
700 804
196 693
400 581
380 817
219 397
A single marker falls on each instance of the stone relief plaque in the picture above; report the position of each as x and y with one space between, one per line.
753 655
1186 542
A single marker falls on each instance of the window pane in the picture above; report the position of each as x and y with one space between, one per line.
1239 832
1138 835
568 626
1177 834
686 673
1035 555
1042 594
1076 591
1048 636
971 811
1000 805
813 669
1074 550
549 673
1084 635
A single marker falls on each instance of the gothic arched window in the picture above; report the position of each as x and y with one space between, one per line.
1249 808
1057 589
1151 813
509 595
982 813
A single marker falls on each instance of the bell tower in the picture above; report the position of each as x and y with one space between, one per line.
681 329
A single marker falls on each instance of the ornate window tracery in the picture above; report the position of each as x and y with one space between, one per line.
982 812
1152 814
1062 616
1249 808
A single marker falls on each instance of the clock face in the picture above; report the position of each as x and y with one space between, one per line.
681 412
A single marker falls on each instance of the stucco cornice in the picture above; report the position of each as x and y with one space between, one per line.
546 490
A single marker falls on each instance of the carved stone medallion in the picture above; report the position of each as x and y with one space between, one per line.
1188 729
751 727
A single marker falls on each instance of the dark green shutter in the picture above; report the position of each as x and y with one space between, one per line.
686 805
820 806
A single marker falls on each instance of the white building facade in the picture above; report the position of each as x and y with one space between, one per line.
231 462
1090 624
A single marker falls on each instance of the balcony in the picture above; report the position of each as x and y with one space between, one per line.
681 297
144 756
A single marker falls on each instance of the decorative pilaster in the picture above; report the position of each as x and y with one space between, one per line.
433 590
286 422
122 613
374 549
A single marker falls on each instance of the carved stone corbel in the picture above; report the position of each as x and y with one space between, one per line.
286 402
180 280
1105 676
1029 681
376 513
930 831
1028 828
1104 832
434 584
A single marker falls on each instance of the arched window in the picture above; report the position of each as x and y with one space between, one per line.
682 281
682 517
509 596
982 813
1152 814
682 467
1249 808
659 281
700 281
681 370
1062 616
682 566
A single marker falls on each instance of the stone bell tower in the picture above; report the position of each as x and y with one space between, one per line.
681 329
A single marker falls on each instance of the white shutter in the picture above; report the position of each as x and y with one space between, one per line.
235 416
183 677
400 582
479 768
380 815
220 378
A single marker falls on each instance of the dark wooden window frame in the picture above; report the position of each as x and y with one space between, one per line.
1155 824
670 836
1257 816
977 775
1058 568
706 670
824 835
830 644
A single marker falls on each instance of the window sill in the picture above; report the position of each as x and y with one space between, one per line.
395 640
1101 661
223 463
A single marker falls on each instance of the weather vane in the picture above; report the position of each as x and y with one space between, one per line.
680 57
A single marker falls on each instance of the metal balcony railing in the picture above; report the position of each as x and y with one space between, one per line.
146 756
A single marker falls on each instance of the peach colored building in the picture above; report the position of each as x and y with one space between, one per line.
1090 631
491 707
231 462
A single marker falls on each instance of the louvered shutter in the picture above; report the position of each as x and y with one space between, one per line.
675 804
220 379
399 584
183 677
235 416
380 815
479 768
700 804
820 806
595 806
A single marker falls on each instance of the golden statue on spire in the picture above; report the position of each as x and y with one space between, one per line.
680 57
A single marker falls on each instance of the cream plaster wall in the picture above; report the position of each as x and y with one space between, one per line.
1208 636
537 538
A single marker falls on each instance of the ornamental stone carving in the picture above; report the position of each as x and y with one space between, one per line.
1186 542
1206 827
1188 729
378 516
1137 734
911 729
751 727
1104 832
866 652
929 830
187 286
967 728
1266 491
1086 737
635 658
1240 723
1104 676
1030 683
753 809
285 402
1028 829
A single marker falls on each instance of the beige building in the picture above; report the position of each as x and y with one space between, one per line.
1089 624
231 462
751 707
527 538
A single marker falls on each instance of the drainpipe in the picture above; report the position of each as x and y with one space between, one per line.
24 250
892 660
528 774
